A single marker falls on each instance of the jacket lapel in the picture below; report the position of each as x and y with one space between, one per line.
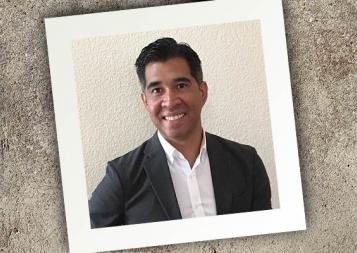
158 172
221 171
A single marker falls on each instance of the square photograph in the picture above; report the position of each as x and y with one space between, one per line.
182 125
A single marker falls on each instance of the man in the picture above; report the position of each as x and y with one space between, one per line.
182 171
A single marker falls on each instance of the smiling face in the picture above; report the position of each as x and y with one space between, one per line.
174 99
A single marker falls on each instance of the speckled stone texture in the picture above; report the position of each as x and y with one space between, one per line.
322 47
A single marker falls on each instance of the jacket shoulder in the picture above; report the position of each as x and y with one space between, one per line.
129 156
130 163
232 146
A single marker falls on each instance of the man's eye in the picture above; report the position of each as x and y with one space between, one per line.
181 85
156 91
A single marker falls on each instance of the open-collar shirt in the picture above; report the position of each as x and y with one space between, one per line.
193 186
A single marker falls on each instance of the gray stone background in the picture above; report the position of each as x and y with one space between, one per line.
322 47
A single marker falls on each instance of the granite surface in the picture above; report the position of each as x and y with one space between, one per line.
322 47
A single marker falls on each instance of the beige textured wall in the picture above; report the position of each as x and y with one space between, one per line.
322 47
113 120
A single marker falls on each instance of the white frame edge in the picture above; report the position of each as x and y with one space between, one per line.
62 31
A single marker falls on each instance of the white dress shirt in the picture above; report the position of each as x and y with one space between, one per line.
193 187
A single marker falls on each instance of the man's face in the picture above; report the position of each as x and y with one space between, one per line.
174 99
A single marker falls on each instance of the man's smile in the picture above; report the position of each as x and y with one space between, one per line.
174 117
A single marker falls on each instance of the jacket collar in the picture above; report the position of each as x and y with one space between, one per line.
221 165
158 172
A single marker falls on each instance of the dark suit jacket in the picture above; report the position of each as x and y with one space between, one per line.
138 188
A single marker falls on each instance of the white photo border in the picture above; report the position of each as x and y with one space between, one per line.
60 34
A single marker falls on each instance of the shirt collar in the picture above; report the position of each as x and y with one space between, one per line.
172 153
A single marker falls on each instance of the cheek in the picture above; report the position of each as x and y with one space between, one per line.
154 109
195 102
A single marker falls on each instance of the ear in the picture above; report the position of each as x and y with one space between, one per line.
204 91
144 100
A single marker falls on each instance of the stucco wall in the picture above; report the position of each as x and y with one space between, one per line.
322 48
113 120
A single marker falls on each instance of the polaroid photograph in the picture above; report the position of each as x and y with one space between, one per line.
175 118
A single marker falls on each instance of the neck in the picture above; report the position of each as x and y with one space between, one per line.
189 147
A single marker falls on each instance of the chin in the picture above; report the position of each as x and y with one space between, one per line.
177 135
171 134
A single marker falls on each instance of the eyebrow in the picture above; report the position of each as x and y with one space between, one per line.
182 79
152 85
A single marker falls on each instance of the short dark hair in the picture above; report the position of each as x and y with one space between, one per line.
164 49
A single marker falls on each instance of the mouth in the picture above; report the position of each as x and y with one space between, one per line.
174 117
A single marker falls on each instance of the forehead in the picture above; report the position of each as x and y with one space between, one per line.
172 66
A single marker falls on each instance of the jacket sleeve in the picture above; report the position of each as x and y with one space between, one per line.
261 185
106 206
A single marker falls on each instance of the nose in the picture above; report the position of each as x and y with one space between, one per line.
170 99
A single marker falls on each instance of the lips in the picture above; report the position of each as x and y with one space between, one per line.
174 117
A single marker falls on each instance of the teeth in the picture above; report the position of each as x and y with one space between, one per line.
178 116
